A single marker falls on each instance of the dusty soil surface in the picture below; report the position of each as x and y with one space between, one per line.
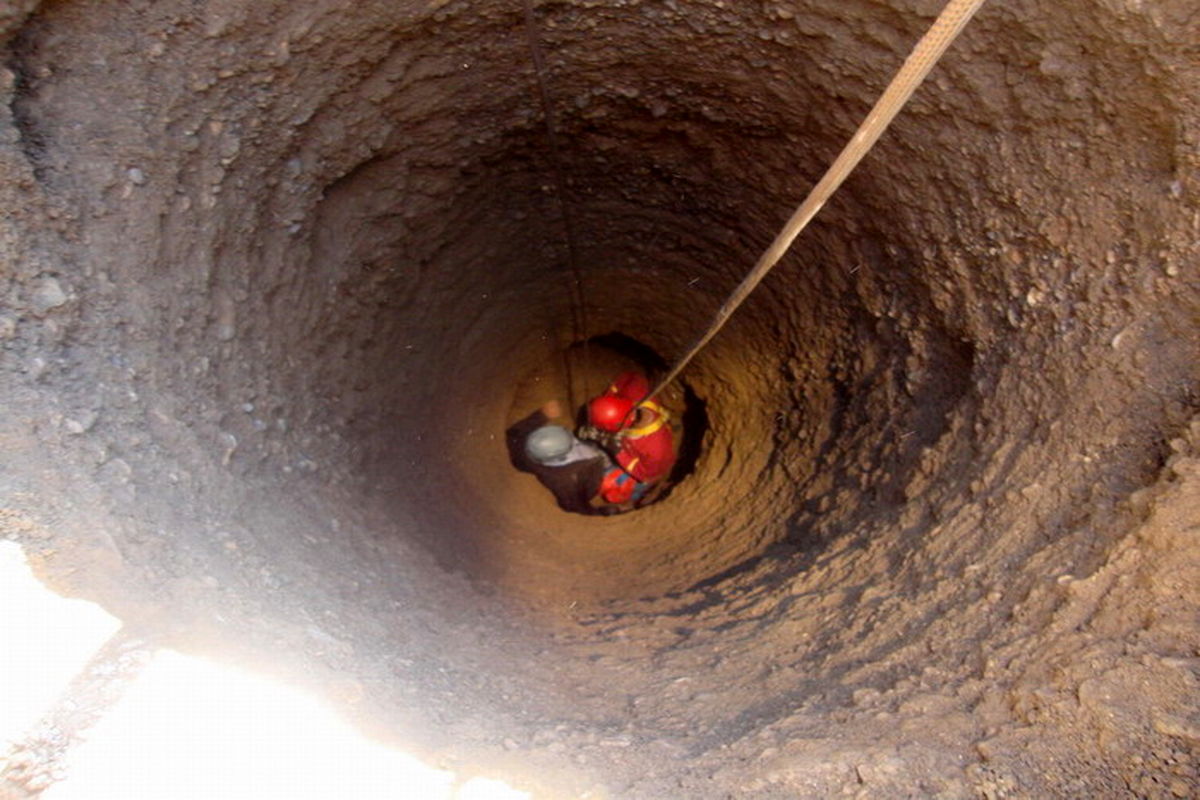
276 276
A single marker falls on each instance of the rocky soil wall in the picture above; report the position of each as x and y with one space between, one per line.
277 275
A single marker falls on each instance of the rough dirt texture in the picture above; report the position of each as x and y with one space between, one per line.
273 273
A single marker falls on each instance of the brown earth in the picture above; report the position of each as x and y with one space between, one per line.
276 276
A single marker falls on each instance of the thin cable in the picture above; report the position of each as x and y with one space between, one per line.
932 46
577 300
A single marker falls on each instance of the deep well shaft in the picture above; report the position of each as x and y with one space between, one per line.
278 276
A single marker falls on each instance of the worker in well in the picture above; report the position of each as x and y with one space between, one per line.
573 470
637 431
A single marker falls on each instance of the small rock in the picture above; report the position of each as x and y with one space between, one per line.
136 176
616 741
8 327
117 470
225 316
37 367
47 294
1177 727
986 750
228 146
80 423
229 444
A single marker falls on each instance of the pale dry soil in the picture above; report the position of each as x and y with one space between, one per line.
275 277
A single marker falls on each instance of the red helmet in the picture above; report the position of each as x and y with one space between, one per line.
608 412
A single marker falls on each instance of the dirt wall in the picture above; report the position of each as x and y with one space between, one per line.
277 276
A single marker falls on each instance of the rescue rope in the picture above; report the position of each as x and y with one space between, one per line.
575 293
916 67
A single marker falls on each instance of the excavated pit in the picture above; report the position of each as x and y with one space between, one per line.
283 273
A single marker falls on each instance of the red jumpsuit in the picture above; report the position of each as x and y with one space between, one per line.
647 453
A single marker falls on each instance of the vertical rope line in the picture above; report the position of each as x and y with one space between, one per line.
576 294
931 47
